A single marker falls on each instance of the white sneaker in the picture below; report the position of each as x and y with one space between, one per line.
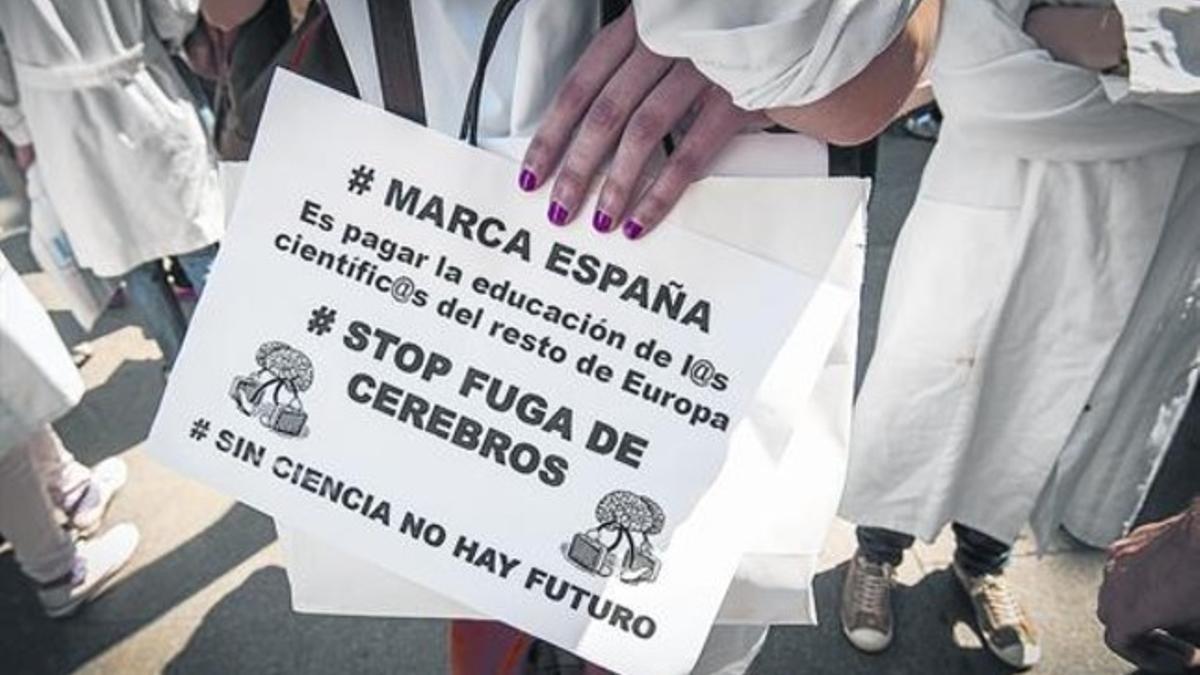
85 510
866 610
96 563
1006 629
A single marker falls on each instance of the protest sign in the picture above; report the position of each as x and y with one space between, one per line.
396 353
798 469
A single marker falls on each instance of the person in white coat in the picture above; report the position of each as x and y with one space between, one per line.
838 71
125 159
1046 215
38 477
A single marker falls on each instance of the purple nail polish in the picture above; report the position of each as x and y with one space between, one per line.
602 221
527 181
557 213
633 229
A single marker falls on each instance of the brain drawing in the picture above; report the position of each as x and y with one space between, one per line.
286 362
631 512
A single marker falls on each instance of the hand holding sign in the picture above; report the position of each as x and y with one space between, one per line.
462 438
622 97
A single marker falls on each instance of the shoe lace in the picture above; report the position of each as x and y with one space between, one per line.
999 602
872 588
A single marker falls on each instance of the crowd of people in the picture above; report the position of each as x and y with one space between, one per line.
1037 329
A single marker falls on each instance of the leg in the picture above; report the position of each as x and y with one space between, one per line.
866 611
43 550
977 554
63 476
879 545
161 316
81 493
1007 631
197 264
67 574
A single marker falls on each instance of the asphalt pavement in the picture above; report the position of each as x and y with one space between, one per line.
207 591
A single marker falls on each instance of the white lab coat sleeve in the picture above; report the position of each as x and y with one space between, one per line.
773 53
1161 38
12 119
172 19
1003 92
1160 46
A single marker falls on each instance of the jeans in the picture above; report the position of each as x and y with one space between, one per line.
162 317
975 552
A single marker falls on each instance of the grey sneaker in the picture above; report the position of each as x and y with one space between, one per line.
867 604
97 561
85 509
1006 629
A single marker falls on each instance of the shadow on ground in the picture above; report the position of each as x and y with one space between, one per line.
250 624
101 425
32 643
935 635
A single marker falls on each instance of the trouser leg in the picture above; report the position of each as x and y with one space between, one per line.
880 545
486 647
977 553
478 647
197 264
57 468
162 317
43 550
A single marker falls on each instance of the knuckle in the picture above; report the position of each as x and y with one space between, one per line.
646 126
569 182
653 208
688 166
573 95
538 150
615 191
714 95
604 114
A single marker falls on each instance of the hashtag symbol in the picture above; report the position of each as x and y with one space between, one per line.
321 321
200 429
361 178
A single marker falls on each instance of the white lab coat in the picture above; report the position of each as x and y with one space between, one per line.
123 153
1039 219
790 64
773 53
1114 451
38 380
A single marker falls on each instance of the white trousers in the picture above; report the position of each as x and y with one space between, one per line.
36 478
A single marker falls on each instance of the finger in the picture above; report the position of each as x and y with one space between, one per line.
717 122
652 120
602 125
604 55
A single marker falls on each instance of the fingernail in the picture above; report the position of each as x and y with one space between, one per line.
633 229
527 181
602 221
557 213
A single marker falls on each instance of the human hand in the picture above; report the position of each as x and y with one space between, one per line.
621 99
24 156
1088 37
1151 589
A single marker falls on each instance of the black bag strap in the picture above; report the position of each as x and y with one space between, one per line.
396 55
469 131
